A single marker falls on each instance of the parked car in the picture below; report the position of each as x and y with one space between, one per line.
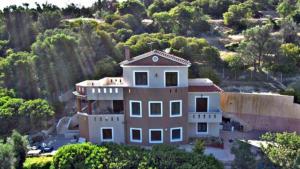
45 148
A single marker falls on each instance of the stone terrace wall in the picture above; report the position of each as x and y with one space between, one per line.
263 111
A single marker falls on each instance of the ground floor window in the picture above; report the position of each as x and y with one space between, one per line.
136 135
176 134
107 134
155 136
202 128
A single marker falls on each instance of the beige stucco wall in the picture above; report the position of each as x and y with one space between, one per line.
96 122
263 111
213 130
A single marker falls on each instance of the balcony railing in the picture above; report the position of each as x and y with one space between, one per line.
210 117
108 118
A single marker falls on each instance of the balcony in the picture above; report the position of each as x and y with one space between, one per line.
109 88
209 117
103 118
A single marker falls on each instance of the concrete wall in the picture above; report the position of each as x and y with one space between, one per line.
263 111
213 130
214 100
95 122
156 81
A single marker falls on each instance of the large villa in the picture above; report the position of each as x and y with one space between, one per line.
154 102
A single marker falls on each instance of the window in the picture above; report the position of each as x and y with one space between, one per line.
141 78
155 109
107 134
175 108
136 135
202 104
202 127
155 136
171 79
135 108
176 134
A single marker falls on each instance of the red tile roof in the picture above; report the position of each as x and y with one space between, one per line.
212 88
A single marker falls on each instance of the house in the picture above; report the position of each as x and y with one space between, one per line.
154 102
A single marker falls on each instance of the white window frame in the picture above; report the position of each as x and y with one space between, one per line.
131 135
207 103
143 71
130 108
162 136
181 132
171 71
112 134
180 113
202 132
149 108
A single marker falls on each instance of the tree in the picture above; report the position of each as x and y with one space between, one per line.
244 159
286 8
49 20
7 158
164 21
214 8
283 149
161 6
19 73
19 26
289 31
133 7
257 44
38 112
234 62
19 144
237 15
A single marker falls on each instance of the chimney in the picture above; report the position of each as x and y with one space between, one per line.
127 53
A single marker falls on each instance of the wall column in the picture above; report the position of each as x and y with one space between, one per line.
90 108
78 105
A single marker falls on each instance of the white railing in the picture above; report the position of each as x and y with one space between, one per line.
196 117
103 117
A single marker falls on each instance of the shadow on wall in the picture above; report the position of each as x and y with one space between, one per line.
262 111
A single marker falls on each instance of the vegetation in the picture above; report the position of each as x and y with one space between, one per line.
283 149
38 163
23 115
243 156
13 151
119 156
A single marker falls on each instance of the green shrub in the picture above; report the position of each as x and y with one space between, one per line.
38 163
199 147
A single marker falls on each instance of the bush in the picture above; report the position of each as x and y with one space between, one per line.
199 147
38 163
77 156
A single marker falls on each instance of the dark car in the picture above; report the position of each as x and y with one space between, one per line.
45 148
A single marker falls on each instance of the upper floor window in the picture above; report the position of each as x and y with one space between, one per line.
202 104
171 79
175 108
155 109
141 78
135 108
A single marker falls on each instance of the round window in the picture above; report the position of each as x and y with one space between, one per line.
154 58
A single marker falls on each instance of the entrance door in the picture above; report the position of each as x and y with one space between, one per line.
201 104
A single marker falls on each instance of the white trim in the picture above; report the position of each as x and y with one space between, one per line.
154 66
130 108
149 108
145 71
202 132
141 135
180 103
162 136
181 134
171 71
207 103
112 134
